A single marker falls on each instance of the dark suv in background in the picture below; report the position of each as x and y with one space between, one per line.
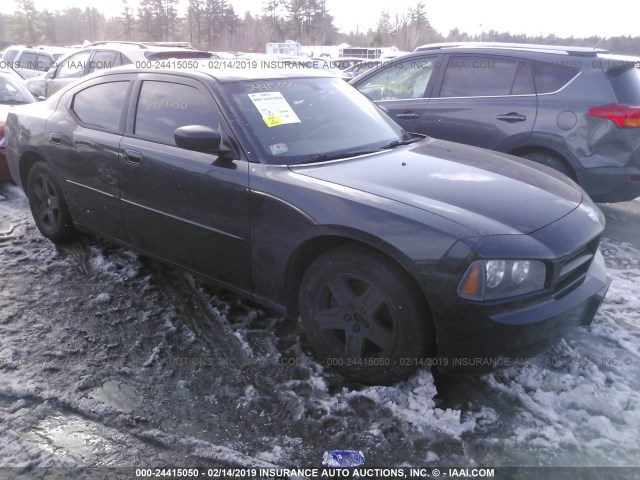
574 109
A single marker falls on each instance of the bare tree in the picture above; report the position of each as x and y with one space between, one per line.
127 20
27 27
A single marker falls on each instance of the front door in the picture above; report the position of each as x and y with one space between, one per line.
190 208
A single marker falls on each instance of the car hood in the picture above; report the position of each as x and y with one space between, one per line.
488 192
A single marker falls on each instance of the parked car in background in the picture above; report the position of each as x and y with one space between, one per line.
12 92
362 66
32 61
103 55
282 62
574 109
293 189
342 63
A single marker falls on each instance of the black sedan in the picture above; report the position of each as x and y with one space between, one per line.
12 93
293 189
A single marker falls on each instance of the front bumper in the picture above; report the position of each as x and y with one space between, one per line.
500 338
473 337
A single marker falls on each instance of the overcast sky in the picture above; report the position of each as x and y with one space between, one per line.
560 17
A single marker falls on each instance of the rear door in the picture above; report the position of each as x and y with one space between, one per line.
190 208
484 101
88 129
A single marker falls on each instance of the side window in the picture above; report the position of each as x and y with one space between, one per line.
101 105
551 77
10 55
73 67
400 80
522 82
44 62
474 76
103 60
165 106
28 60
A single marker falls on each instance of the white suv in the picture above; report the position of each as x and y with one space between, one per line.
32 61
103 55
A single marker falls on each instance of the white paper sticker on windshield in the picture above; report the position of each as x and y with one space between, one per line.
273 108
278 148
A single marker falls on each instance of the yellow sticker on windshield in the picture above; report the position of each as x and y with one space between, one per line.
272 121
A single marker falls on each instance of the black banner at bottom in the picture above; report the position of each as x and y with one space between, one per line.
278 473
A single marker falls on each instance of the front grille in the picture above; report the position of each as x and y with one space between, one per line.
570 272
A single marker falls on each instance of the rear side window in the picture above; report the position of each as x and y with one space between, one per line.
550 77
101 106
28 60
165 106
482 77
35 61
626 84
44 62
522 82
104 59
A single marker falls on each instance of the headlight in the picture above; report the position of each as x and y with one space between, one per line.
498 279
1 142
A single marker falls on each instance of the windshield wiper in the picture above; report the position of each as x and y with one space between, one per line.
354 153
397 143
335 156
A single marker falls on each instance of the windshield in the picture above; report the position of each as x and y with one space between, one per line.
12 91
310 119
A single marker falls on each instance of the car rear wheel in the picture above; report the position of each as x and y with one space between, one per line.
551 161
363 317
48 205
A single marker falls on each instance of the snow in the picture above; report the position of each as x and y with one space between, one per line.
107 358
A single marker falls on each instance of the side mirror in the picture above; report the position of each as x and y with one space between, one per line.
200 139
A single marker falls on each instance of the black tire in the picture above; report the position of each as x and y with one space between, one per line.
48 205
363 317
551 161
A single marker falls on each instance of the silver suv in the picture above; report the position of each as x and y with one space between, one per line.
103 55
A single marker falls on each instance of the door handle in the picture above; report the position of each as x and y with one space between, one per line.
55 138
512 117
408 115
133 156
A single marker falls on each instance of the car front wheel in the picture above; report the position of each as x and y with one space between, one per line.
363 316
48 205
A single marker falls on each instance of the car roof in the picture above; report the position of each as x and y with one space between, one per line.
161 46
223 75
521 47
136 50
37 48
